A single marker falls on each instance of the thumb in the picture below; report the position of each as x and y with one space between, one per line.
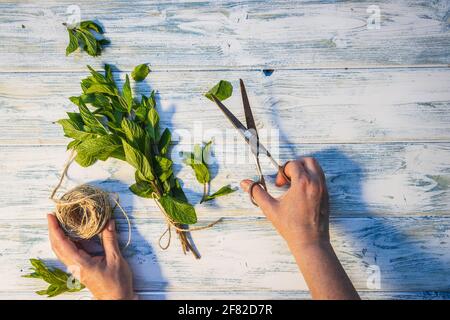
109 238
264 200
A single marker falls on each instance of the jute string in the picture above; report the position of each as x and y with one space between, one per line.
172 224
84 211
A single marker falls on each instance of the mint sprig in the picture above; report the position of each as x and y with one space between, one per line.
198 160
58 280
111 123
88 36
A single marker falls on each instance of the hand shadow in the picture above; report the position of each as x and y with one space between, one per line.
378 242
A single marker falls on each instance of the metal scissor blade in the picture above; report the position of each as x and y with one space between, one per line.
235 121
248 111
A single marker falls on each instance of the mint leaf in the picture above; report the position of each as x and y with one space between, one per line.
88 24
196 161
127 95
85 160
181 212
102 88
140 72
58 280
164 142
153 123
91 121
201 173
137 159
221 192
142 189
90 42
100 148
222 90
73 43
134 134
73 130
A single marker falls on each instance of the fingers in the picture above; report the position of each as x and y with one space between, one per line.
64 248
110 243
264 200
281 180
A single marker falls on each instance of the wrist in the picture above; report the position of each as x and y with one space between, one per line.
302 247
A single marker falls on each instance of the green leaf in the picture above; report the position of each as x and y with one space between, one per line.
142 189
177 191
102 88
83 36
134 133
201 173
91 121
140 72
127 95
73 130
99 148
73 42
164 142
85 160
90 42
73 144
222 90
206 153
153 117
108 73
181 212
88 24
220 193
97 76
153 123
137 159
56 278
196 161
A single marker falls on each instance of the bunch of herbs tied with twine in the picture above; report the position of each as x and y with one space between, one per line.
121 127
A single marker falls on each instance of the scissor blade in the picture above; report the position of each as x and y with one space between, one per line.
235 121
248 111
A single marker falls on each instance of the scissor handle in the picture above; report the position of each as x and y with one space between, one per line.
281 170
250 190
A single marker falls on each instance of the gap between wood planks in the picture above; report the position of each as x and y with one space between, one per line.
246 69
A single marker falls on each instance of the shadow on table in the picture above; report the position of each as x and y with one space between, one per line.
412 266
140 253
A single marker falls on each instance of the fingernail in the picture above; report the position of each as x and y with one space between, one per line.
111 225
245 184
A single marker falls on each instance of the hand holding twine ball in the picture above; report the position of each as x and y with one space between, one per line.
84 211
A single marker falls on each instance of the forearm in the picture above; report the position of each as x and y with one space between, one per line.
323 272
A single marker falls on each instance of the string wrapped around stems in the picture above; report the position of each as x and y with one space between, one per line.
84 211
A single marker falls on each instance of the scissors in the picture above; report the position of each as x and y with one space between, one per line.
250 134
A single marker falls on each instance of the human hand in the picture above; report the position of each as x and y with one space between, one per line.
301 214
108 277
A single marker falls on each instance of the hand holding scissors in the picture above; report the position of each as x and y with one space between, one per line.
250 134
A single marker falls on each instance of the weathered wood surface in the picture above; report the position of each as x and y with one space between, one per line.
381 130
306 106
397 179
229 34
240 295
407 251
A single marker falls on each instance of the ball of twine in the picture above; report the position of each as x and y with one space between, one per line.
84 211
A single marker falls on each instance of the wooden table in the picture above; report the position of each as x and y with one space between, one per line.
371 104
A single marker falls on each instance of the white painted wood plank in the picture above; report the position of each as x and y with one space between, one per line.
235 295
325 106
363 180
229 34
249 256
